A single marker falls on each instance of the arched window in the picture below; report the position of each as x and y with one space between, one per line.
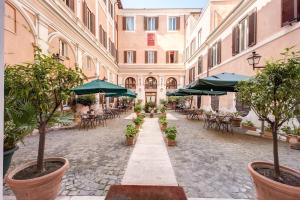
171 83
151 83
130 83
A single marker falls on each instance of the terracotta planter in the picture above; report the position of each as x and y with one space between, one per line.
236 122
130 141
170 142
294 142
163 128
45 187
267 189
267 134
250 128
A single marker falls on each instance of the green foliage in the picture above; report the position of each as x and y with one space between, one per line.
163 102
131 131
163 121
86 100
171 133
163 109
44 84
295 131
138 121
138 108
149 106
248 123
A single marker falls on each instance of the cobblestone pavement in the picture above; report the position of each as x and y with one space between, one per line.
210 164
98 157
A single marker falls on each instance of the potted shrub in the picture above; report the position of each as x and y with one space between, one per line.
44 84
293 136
138 121
248 125
171 136
163 110
86 100
130 134
19 121
163 123
273 95
138 109
236 119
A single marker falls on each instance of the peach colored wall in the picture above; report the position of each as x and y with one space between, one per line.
164 40
89 72
102 18
17 33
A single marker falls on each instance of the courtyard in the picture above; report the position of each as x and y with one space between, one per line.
207 164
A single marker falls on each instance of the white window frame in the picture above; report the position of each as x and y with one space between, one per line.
244 35
134 21
88 62
63 48
151 59
214 55
174 23
151 23
129 57
199 37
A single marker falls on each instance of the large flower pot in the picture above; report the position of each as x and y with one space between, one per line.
294 142
7 156
250 128
236 122
170 142
163 127
267 189
130 141
45 187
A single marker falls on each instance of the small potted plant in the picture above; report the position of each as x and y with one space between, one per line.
236 119
138 121
163 110
248 125
130 134
293 136
163 123
138 109
171 136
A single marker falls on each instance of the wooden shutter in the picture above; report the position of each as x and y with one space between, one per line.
71 5
287 11
177 23
105 39
124 23
93 29
235 40
145 23
155 56
209 58
84 13
219 52
200 63
167 57
252 25
146 56
125 56
156 23
134 56
101 34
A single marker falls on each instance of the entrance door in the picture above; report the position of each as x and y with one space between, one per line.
150 97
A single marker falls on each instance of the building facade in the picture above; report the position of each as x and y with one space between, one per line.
227 33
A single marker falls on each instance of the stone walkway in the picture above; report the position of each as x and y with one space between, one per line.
149 163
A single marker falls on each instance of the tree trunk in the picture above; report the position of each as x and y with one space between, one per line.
275 151
40 159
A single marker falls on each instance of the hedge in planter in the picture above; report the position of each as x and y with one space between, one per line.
273 95
130 134
44 84
171 135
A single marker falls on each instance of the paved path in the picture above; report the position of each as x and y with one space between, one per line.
149 163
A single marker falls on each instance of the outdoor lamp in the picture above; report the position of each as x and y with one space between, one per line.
254 59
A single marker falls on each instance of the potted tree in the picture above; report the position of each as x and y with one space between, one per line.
171 136
273 95
293 136
163 123
138 122
44 84
236 119
19 121
248 125
138 109
163 110
130 134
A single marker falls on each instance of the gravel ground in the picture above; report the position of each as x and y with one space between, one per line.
210 164
98 157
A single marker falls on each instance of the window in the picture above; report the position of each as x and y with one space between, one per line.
187 55
214 55
130 83
151 83
63 48
151 57
151 23
129 57
103 36
193 46
290 11
171 83
200 65
172 57
173 23
199 38
104 1
111 9
244 34
192 75
128 23
70 4
88 62
112 48
88 18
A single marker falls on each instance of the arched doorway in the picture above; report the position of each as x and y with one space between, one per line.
151 90
171 83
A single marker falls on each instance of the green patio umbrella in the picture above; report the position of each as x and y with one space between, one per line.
128 93
221 82
98 86
190 92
